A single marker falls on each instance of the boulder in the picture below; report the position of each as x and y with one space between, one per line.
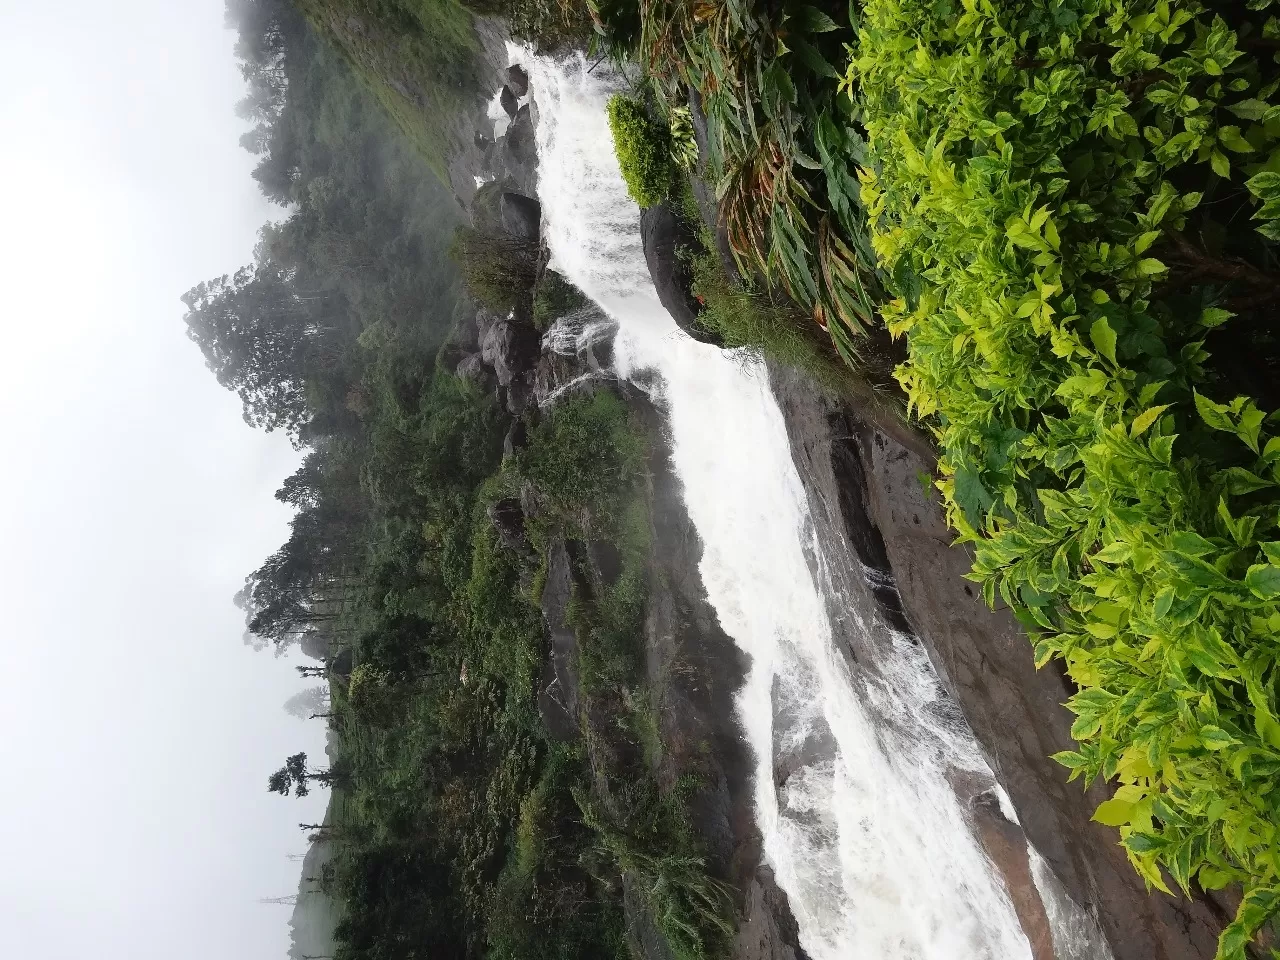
519 393
485 318
664 235
466 336
508 101
511 349
520 216
521 142
473 370
517 80
507 517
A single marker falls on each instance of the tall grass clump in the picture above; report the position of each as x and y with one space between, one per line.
655 851
746 319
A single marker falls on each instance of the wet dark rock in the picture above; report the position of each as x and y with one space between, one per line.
472 368
766 929
519 395
789 756
521 142
1006 847
510 348
507 517
604 561
508 101
521 216
982 656
517 80
664 236
512 167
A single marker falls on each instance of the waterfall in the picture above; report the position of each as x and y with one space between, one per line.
860 822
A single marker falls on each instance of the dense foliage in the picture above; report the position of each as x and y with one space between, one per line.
644 154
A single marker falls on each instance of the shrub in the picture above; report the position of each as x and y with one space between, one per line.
643 149
498 268
1031 181
655 846
585 457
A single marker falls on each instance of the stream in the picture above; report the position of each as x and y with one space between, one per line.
854 769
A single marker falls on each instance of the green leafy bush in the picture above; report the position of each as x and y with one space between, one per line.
1038 180
644 151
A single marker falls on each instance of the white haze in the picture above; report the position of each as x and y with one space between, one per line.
137 730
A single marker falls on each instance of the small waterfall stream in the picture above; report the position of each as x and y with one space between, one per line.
860 822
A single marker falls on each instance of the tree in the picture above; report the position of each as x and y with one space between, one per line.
307 703
295 775
261 338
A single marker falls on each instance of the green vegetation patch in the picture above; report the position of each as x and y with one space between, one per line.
1053 210
644 151
585 457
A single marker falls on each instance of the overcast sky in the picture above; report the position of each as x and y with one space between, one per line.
136 731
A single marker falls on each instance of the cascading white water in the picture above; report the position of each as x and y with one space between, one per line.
864 832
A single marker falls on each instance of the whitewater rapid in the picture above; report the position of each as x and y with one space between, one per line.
865 832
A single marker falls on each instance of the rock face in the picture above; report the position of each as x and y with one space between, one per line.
664 235
864 489
517 80
508 101
767 931
510 348
473 129
521 216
